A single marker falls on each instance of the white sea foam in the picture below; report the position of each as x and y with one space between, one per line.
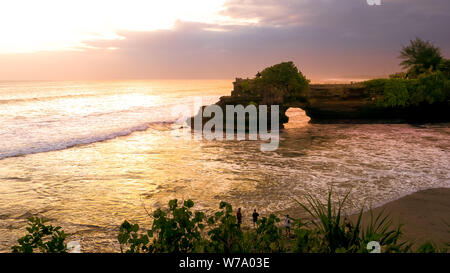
57 117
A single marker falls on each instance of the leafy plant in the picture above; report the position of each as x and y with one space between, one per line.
129 236
419 57
428 88
398 75
287 77
444 67
431 88
427 247
275 84
42 238
178 230
379 230
331 233
395 94
267 237
225 234
330 224
307 239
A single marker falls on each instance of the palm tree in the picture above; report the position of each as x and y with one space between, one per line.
420 56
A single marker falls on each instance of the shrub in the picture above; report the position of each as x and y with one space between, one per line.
225 234
389 92
277 83
307 239
330 225
287 77
427 247
128 235
247 86
175 231
444 67
420 57
379 229
42 238
398 75
180 231
431 88
428 88
332 233
395 94
267 238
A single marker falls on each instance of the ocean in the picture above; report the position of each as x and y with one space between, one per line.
88 155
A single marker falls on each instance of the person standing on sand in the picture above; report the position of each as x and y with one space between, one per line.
255 217
239 217
287 225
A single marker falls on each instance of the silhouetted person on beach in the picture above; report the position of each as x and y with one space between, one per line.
239 217
255 217
287 225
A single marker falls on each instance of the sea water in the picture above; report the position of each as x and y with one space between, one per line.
88 155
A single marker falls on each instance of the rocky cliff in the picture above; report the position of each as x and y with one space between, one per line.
353 103
338 103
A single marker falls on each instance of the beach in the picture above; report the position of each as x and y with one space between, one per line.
425 216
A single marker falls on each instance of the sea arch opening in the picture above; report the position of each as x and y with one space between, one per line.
297 118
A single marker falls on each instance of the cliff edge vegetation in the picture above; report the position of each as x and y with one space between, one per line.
421 93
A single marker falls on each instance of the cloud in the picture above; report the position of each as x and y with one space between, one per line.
325 38
270 12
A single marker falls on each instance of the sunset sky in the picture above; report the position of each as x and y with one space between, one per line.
132 39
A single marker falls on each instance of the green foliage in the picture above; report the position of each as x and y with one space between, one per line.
427 247
420 57
279 82
179 230
330 225
308 240
398 75
444 67
389 92
129 236
375 86
225 235
42 238
379 230
331 233
247 86
428 88
395 94
287 77
431 88
267 238
328 232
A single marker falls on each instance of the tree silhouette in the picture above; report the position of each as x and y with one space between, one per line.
419 57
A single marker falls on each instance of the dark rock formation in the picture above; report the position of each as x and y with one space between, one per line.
335 103
353 103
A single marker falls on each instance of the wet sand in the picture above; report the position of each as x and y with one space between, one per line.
424 214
